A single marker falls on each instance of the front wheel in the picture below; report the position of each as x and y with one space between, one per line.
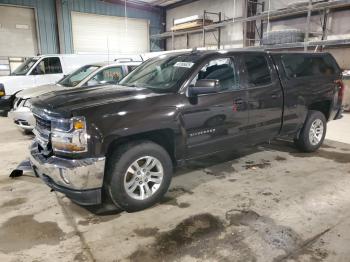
313 132
138 175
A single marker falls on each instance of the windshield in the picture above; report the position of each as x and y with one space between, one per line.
162 74
24 67
77 76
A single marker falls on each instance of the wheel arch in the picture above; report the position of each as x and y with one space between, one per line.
164 137
322 106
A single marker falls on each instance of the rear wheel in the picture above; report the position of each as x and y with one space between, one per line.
138 175
313 132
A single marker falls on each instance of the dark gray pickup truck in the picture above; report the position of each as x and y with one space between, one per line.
120 144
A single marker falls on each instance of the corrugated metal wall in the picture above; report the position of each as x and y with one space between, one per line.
47 24
46 21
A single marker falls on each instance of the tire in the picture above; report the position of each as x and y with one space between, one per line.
307 142
121 173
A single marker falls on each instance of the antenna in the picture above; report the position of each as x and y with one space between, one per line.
126 21
108 49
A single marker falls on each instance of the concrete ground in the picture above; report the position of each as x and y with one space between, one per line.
269 203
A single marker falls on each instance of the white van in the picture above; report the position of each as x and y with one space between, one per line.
48 69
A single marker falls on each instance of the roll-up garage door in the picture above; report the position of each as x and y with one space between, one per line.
102 34
18 36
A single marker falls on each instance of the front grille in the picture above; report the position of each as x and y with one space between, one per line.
42 134
42 124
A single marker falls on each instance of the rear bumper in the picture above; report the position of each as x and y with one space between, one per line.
80 180
23 118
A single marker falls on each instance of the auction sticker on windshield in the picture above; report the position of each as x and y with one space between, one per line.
184 64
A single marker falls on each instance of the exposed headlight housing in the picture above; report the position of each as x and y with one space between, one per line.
69 135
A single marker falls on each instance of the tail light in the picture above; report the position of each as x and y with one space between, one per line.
341 90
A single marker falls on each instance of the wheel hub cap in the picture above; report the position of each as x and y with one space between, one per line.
143 177
316 132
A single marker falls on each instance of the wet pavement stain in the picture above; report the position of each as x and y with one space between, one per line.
24 232
278 236
92 219
178 191
252 165
328 146
331 155
80 257
280 158
14 202
172 201
146 232
173 194
198 237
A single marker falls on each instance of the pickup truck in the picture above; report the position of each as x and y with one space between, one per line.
120 144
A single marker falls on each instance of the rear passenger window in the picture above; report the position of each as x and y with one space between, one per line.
299 65
257 69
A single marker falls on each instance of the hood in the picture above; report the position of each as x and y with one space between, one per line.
39 90
11 83
64 102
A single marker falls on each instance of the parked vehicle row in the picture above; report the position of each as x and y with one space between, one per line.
85 76
48 69
120 144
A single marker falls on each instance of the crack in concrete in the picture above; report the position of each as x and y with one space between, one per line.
71 221
307 243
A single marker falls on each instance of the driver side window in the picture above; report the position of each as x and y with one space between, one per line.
221 69
49 65
107 76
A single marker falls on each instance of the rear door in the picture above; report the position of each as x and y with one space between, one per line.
307 79
215 122
265 97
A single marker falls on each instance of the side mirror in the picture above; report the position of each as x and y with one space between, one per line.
205 86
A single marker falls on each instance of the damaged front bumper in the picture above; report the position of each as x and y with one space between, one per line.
23 118
80 180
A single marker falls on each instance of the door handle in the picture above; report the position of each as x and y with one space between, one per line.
274 96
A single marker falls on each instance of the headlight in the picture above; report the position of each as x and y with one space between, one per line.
69 135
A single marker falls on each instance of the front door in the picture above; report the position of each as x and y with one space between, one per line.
216 121
47 71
